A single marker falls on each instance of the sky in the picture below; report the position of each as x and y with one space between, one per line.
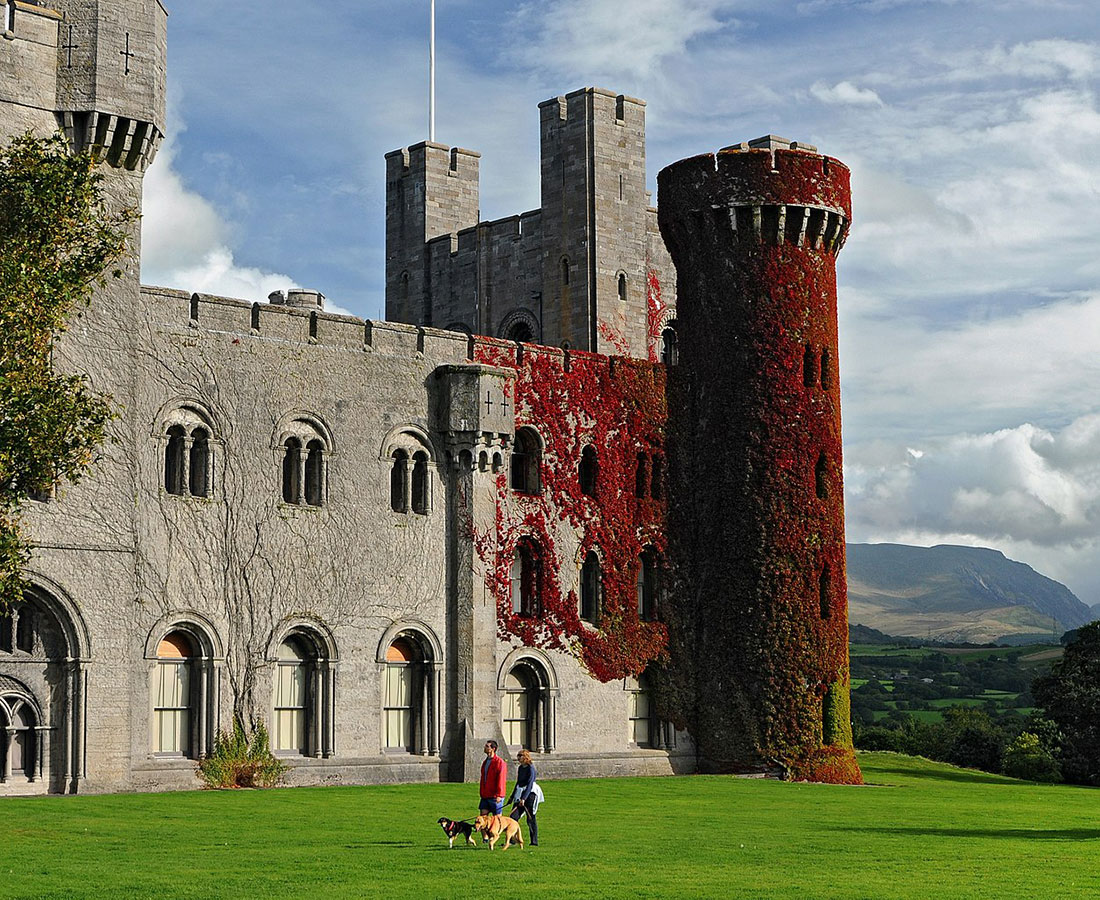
970 283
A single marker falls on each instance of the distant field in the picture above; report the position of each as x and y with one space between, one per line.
922 830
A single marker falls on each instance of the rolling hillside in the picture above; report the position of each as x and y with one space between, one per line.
956 594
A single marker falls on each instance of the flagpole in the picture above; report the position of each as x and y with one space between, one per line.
431 73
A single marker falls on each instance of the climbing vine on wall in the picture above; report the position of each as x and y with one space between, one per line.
617 407
655 313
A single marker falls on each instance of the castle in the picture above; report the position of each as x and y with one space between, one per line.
389 541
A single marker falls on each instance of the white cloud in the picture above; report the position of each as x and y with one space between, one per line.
845 93
184 242
1031 492
603 39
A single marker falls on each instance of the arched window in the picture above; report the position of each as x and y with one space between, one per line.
526 459
305 458
315 473
174 482
622 287
172 697
200 451
564 270
400 689
642 728
589 471
18 738
648 584
520 332
188 452
292 470
809 367
821 479
826 369
670 353
399 481
403 287
527 704
525 579
421 493
640 477
591 587
292 697
517 707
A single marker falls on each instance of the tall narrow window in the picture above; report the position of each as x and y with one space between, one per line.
589 471
399 481
525 579
292 470
821 483
640 477
24 631
420 484
9 16
656 483
824 593
622 287
399 693
174 461
526 458
199 463
403 287
648 584
670 353
590 587
173 700
315 473
826 369
641 714
565 270
517 708
291 695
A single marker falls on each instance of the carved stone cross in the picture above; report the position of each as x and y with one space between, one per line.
126 54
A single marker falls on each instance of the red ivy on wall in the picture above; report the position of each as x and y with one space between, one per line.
616 406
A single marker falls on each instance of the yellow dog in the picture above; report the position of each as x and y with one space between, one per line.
493 826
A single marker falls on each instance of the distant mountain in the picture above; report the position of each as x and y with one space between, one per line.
955 594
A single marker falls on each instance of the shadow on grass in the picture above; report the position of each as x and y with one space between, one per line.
947 775
1031 834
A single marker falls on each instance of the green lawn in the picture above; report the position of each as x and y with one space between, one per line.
921 830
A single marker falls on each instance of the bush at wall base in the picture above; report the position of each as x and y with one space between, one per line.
238 762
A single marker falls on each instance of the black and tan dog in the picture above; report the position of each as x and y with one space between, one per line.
493 827
453 829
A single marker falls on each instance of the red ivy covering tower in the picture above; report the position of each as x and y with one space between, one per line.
758 611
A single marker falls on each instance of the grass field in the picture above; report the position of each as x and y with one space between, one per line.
920 829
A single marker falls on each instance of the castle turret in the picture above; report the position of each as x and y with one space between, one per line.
431 191
594 221
756 510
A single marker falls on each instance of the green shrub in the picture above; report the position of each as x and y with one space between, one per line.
238 762
1027 758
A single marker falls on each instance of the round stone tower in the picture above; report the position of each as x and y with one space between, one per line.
758 609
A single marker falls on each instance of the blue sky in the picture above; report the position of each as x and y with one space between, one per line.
970 284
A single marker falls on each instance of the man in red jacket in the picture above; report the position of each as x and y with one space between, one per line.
494 776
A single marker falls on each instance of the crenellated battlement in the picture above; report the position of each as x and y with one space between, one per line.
574 106
769 189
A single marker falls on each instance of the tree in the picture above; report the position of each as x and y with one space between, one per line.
57 237
1070 695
